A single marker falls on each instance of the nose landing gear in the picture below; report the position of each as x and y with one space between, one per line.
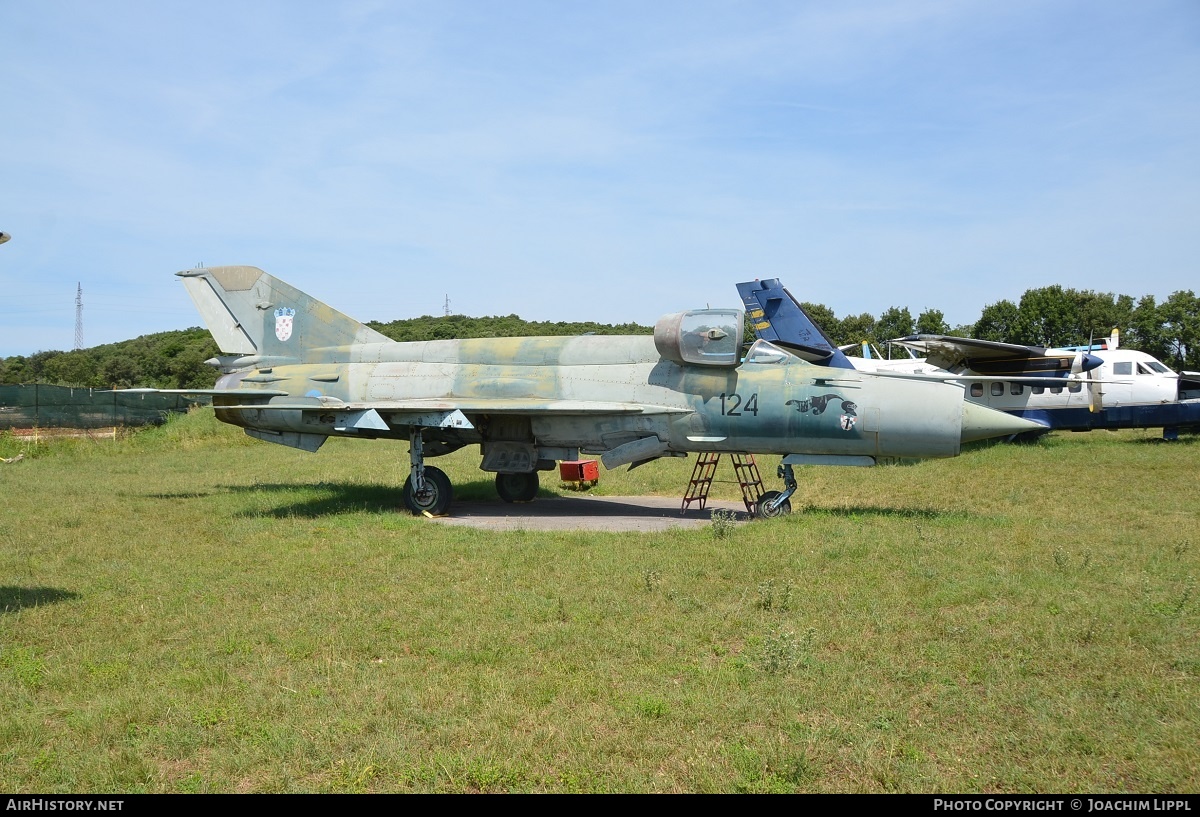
777 503
427 489
434 495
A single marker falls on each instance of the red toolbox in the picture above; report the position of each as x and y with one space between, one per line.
579 470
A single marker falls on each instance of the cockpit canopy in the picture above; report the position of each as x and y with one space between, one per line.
704 337
764 353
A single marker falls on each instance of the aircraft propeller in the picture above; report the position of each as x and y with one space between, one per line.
1079 364
1095 390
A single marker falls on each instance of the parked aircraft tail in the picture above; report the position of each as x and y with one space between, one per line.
256 319
778 317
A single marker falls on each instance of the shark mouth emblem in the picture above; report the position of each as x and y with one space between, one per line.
817 405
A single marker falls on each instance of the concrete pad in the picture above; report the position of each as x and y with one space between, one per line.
601 513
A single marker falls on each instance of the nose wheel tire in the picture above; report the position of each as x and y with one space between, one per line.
766 509
517 487
434 498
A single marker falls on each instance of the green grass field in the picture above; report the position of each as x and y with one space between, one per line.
188 610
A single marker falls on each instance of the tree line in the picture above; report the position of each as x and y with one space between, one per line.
175 360
1049 316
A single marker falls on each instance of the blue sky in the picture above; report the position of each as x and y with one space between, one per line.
607 161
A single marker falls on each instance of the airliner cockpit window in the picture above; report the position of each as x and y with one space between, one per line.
1125 367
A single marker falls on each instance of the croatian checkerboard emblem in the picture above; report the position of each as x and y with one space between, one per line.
283 322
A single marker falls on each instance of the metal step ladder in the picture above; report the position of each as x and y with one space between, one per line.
704 471
746 470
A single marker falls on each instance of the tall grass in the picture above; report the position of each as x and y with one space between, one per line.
188 610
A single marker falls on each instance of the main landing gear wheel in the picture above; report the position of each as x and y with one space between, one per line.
517 487
767 509
434 498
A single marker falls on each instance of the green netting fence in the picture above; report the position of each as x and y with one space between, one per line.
42 406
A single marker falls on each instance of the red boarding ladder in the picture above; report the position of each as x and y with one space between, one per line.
744 468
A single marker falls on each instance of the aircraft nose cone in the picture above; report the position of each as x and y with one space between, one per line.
982 423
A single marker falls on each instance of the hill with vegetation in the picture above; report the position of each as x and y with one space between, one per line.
175 360
450 327
1048 316
164 360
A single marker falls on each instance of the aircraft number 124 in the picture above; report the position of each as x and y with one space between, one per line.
731 404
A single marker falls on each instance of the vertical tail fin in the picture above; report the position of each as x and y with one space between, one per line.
778 317
251 313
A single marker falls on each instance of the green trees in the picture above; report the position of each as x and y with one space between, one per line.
1170 331
508 326
1054 316
1044 316
824 318
932 322
1180 321
998 322
166 360
1047 316
895 322
857 328
1057 316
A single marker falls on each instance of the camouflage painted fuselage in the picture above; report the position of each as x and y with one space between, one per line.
298 371
595 393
